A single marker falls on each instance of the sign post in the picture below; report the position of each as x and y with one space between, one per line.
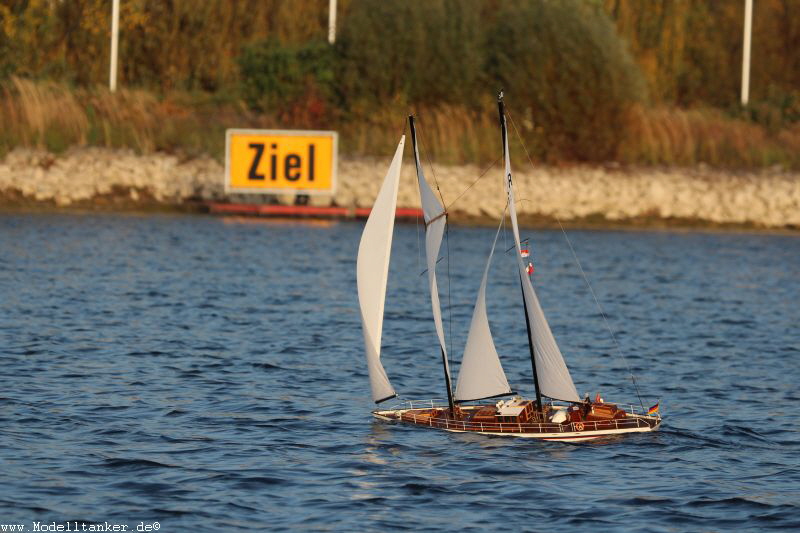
748 30
280 161
112 75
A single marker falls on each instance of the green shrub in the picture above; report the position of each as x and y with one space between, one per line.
567 74
291 81
409 53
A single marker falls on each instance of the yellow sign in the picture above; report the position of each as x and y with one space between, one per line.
280 161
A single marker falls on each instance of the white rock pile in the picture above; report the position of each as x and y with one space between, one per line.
768 198
80 175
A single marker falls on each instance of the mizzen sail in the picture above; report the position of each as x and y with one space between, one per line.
372 273
554 379
481 374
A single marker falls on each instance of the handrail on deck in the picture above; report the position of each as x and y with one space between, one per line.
438 403
635 421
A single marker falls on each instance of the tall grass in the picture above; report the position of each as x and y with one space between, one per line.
449 134
42 114
55 117
671 136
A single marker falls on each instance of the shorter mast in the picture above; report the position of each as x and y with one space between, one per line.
435 217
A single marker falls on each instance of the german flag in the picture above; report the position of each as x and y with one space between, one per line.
653 410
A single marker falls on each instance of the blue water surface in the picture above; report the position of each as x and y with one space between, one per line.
208 374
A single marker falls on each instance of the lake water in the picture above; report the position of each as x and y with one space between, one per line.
208 374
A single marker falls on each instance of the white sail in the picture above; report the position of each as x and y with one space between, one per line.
551 370
435 221
481 374
372 272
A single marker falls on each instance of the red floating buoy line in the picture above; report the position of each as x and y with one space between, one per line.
301 211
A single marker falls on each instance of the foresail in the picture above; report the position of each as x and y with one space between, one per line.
553 376
481 374
435 221
372 272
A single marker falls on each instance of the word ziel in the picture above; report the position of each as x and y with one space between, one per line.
292 163
279 161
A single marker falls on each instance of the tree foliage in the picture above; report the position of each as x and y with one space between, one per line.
575 77
690 51
581 75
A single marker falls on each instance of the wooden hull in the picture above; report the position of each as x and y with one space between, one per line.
570 431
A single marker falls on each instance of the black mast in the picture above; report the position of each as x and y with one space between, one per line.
503 130
447 381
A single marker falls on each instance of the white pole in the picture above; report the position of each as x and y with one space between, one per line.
748 27
112 77
332 21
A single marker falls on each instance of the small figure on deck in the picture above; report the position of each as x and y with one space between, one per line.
587 405
529 269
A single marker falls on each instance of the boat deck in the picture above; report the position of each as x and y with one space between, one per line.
488 419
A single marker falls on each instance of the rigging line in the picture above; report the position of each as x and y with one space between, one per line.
447 239
433 171
585 278
487 169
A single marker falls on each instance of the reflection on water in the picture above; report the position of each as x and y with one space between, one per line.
280 221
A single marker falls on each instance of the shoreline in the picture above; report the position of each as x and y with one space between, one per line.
654 225
99 180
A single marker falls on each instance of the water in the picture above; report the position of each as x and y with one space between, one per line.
208 374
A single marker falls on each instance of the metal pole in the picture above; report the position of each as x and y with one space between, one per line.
332 21
748 27
532 349
112 77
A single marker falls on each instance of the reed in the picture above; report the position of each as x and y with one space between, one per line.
43 114
671 136
56 116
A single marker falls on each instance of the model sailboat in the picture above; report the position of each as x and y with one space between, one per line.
557 413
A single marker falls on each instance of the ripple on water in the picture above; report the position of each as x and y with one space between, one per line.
210 376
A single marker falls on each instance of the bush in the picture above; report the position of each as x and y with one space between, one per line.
408 53
569 74
291 81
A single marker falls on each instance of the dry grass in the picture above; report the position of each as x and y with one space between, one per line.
669 136
37 113
55 117
448 134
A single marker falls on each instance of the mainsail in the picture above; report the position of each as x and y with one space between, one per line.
481 374
372 273
553 376
435 221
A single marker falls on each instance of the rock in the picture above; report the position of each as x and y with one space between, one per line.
769 198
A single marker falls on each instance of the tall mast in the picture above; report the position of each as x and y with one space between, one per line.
435 217
504 131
